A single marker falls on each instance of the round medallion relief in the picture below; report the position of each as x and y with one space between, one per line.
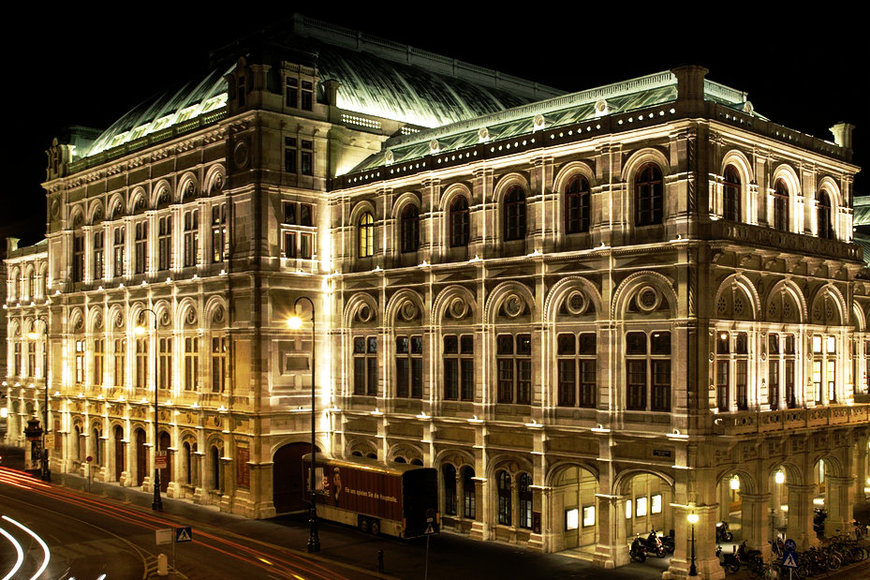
648 299
513 306
576 303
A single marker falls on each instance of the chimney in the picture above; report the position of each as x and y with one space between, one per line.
690 85
843 135
11 245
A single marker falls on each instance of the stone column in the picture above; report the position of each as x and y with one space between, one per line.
706 563
838 504
612 548
800 516
756 521
860 471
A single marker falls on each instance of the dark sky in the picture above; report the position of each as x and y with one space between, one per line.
85 66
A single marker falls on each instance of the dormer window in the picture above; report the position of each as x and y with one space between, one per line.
307 96
291 92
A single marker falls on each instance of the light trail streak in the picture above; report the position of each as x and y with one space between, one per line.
17 549
42 544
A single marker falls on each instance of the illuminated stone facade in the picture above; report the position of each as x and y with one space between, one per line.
594 314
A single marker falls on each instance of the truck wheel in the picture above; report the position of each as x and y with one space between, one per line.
375 527
363 524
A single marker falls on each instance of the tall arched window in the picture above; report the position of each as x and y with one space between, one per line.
648 196
459 223
780 206
366 235
577 205
449 472
503 480
515 214
823 213
731 195
410 229
469 495
524 496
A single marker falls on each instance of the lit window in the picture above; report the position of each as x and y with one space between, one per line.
640 507
588 516
366 235
572 519
656 503
628 511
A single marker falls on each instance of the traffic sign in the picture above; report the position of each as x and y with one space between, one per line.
183 535
790 546
163 536
161 462
790 560
429 530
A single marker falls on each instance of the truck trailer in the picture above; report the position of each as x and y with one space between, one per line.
396 499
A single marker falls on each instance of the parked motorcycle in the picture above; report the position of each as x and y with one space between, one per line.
819 518
722 532
731 561
651 545
668 542
637 551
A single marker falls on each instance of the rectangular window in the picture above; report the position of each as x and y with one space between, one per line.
572 519
306 158
191 238
576 367
98 256
78 258
218 363
80 361
290 213
459 367
588 516
218 232
290 245
164 362
99 361
164 243
291 92
409 367
628 511
656 504
640 507
191 363
31 358
648 371
118 252
306 215
307 96
16 360
141 363
514 368
120 355
305 246
365 365
140 247
290 152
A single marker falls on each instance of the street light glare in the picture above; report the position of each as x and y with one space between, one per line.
693 519
140 330
294 322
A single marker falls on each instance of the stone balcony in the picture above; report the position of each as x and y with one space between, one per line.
758 236
753 422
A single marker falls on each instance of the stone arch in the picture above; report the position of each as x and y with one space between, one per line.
215 178
821 311
455 457
451 193
741 163
554 469
188 188
216 312
288 474
789 288
137 200
793 474
96 212
406 451
743 167
456 302
833 466
505 183
830 186
571 170
115 206
163 312
513 464
505 291
361 207
789 176
360 447
76 319
161 194
741 283
405 307
361 307
77 216
116 319
137 316
564 289
623 479
640 158
186 314
95 319
748 484
628 287
859 320
405 199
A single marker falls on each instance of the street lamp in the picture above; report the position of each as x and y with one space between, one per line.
45 474
693 519
295 322
157 502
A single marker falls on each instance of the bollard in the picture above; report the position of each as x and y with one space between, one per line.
162 565
380 561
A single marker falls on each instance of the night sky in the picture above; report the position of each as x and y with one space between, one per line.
80 66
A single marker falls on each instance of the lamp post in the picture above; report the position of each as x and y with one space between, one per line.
45 471
693 519
295 323
157 502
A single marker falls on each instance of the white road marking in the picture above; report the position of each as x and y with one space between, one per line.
44 546
17 549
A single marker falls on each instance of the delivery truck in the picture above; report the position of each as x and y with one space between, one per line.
396 499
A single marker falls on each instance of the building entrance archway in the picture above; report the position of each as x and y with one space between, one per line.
287 478
573 509
120 464
141 457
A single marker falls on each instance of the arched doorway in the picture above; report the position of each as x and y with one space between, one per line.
728 492
647 503
118 436
141 457
287 478
165 473
574 509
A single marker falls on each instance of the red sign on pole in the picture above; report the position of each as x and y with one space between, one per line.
160 462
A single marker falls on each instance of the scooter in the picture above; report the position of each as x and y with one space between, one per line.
731 562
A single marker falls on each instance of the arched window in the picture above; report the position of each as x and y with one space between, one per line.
410 229
216 467
731 195
469 495
524 495
503 480
515 214
449 473
366 235
780 206
648 196
459 229
823 209
577 204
